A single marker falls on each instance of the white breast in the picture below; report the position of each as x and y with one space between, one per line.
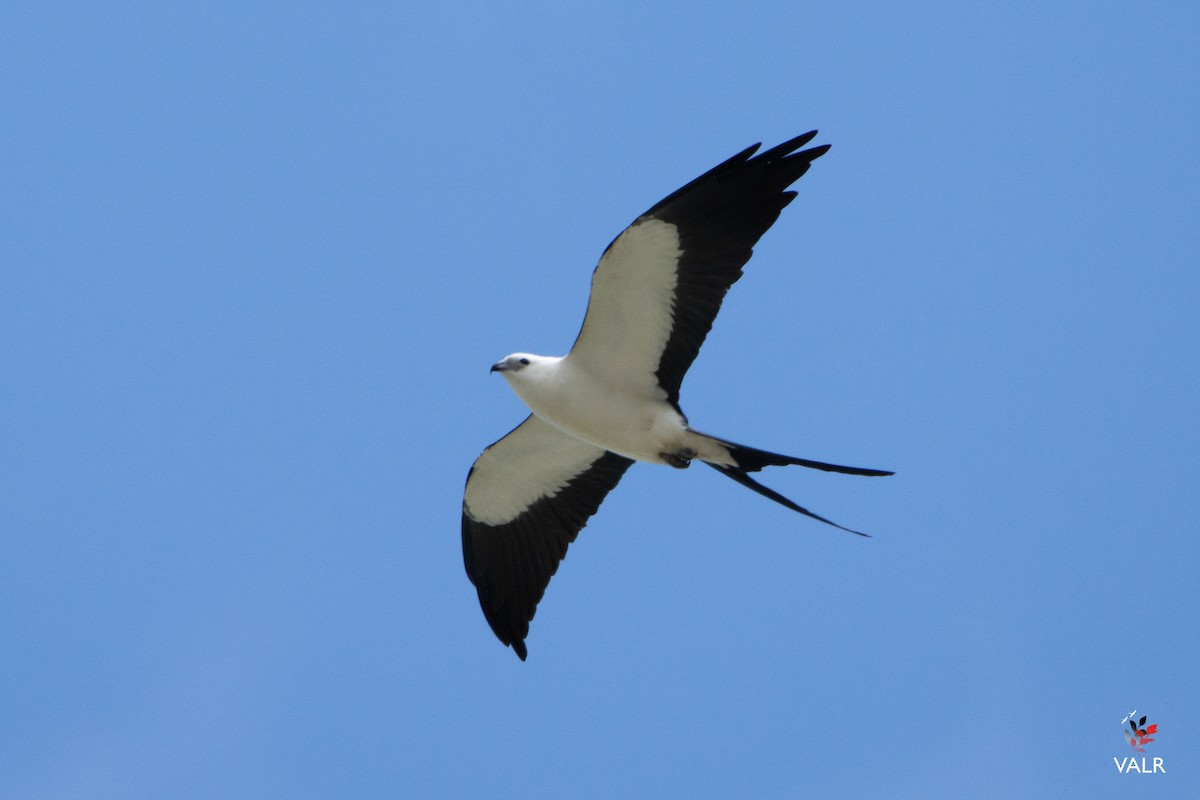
579 403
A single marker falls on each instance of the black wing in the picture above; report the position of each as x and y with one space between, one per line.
659 285
527 497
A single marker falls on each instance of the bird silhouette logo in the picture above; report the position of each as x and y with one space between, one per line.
1139 733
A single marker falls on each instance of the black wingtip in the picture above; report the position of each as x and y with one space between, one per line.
819 150
786 149
519 647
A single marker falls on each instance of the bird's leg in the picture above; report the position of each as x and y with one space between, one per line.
680 459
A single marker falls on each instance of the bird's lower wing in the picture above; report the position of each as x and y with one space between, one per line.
527 497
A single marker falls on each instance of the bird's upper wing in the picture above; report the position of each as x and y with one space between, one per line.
527 497
659 285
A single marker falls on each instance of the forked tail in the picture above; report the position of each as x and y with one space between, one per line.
750 459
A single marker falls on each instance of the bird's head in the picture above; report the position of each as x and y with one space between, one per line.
513 364
522 364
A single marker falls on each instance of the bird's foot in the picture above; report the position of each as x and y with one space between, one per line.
680 459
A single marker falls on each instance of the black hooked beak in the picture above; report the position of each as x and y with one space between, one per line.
499 366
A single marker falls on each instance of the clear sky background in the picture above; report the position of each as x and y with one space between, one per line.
255 262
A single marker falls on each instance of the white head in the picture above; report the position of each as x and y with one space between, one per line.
535 379
523 364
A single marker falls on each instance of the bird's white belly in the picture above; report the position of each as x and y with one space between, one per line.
637 427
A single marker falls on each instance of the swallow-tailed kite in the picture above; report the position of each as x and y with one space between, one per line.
614 399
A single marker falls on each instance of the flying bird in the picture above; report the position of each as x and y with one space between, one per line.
614 398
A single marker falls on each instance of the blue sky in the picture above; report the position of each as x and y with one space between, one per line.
257 259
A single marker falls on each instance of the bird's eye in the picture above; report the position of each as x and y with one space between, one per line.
525 362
